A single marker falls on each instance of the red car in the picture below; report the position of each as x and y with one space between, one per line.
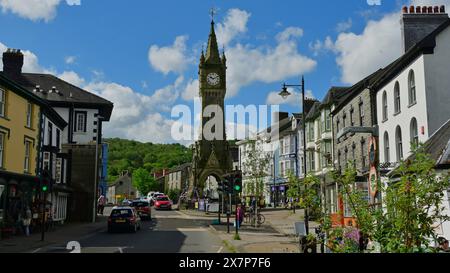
143 209
163 202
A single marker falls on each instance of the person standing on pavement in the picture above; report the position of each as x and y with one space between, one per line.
101 204
27 221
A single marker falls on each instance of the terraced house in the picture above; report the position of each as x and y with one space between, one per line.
73 154
25 120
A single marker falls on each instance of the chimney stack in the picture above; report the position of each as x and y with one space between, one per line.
12 62
420 21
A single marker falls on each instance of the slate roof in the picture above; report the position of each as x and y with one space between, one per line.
334 95
314 112
68 94
438 147
46 108
181 167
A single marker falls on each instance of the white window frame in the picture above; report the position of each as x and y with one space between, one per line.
412 98
78 124
2 102
29 122
397 99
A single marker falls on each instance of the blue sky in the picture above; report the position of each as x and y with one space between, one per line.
118 49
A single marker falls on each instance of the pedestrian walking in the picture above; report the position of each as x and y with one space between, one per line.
240 215
26 221
101 204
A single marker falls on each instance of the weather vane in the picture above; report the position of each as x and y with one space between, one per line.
213 12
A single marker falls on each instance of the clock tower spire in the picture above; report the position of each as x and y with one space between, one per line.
211 153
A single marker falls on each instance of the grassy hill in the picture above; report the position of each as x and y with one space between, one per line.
131 155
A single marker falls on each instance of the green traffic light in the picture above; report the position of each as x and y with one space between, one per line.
44 188
237 188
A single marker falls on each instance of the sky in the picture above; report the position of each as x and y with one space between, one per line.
143 55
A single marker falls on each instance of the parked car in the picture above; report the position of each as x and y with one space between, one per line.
163 202
143 209
124 218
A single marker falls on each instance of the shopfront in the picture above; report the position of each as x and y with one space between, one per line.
279 195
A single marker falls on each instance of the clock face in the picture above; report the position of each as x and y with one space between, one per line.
213 79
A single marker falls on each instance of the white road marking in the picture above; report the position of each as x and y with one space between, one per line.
220 249
36 250
192 229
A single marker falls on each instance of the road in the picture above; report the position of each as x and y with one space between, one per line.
168 232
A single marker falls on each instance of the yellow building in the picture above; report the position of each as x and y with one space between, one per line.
21 113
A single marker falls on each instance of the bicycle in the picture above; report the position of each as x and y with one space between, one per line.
251 218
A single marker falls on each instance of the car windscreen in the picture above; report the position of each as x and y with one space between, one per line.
121 213
162 199
140 204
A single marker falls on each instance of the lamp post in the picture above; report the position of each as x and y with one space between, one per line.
97 142
284 94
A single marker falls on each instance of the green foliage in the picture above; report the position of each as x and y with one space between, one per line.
174 194
255 167
132 155
412 204
144 181
305 191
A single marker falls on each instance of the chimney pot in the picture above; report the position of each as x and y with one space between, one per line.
430 9
411 9
442 9
436 9
418 9
405 9
424 9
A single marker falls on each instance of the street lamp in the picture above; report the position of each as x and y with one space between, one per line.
97 142
285 94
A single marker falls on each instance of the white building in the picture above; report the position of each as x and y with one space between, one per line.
412 95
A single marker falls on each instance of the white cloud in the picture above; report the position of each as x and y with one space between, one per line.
73 2
191 90
319 47
70 59
288 33
359 55
247 65
72 78
344 26
171 58
31 9
295 99
234 24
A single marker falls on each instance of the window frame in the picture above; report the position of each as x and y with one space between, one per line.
414 134
399 143
27 160
412 94
2 149
397 99
29 115
387 148
385 108
76 123
2 102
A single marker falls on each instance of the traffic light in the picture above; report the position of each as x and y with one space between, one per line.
226 185
45 181
238 181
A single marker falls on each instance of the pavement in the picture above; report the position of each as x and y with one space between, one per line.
276 235
61 235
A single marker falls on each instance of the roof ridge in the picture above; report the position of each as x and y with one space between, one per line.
66 82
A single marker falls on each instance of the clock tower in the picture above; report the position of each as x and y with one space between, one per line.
212 155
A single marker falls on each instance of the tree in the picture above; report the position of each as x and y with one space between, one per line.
255 169
304 192
143 181
412 205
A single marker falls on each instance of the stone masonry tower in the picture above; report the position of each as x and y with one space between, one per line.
212 154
